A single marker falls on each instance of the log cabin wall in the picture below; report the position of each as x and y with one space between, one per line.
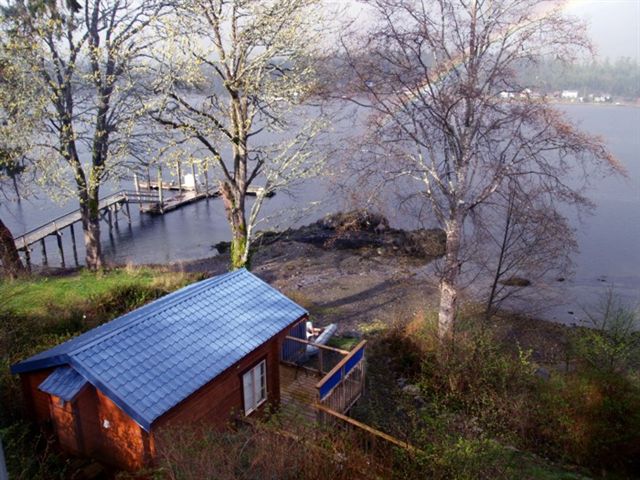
92 425
217 402
37 402
80 428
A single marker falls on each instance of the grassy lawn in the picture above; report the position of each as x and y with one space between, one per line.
36 296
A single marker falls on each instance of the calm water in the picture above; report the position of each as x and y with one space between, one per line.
609 240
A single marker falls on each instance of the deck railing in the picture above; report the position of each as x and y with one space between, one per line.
368 438
326 356
344 384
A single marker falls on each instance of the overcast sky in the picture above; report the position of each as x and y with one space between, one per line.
614 25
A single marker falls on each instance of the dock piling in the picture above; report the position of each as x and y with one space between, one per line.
73 244
160 199
27 254
206 179
59 239
45 260
193 172
136 183
128 212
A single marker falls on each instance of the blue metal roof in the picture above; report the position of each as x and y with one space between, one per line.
64 382
149 360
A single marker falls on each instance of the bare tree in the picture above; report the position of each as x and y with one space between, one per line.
526 240
433 72
235 72
87 58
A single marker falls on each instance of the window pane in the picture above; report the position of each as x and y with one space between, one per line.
247 388
254 386
262 393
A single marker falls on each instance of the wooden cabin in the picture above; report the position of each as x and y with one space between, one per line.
198 355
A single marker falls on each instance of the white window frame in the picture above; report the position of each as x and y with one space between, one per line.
254 387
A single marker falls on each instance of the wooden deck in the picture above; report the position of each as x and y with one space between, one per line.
298 393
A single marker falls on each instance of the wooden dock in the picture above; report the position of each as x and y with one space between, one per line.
109 207
151 199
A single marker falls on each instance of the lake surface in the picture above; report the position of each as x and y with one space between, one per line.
609 240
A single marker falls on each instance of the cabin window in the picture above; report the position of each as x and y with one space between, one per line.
254 386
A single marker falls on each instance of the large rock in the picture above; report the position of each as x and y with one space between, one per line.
364 231
355 221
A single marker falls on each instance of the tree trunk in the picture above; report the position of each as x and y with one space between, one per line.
9 257
491 301
448 282
91 229
233 199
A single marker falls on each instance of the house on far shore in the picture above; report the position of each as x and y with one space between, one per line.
571 95
198 355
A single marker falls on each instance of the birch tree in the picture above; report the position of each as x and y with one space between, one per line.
449 114
86 59
20 112
234 73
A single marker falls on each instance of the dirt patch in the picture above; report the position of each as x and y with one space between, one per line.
355 290
337 270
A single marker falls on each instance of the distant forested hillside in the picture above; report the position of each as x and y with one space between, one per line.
620 78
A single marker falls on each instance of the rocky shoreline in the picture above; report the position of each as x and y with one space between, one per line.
361 231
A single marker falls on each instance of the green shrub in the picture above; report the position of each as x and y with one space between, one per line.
481 391
31 455
612 343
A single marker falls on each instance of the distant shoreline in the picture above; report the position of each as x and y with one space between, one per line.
555 101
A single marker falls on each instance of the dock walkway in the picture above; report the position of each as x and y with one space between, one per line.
150 201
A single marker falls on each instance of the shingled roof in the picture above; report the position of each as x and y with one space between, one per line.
149 360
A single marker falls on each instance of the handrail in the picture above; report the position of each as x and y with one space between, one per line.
103 202
340 364
372 431
68 214
319 345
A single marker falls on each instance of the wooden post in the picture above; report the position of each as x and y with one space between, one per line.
115 213
321 361
148 178
206 178
109 219
27 253
59 238
73 244
45 260
195 181
136 184
128 212
160 199
179 177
